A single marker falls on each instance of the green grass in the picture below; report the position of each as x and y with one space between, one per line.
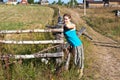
23 17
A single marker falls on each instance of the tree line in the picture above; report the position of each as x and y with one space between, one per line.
71 3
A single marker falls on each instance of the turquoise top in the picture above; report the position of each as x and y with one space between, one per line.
72 37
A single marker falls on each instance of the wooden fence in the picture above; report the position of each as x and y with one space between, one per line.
59 42
57 31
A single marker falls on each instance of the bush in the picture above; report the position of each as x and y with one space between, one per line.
30 1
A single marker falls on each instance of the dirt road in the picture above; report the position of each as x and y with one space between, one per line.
107 52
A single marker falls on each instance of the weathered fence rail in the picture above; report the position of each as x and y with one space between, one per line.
38 55
45 55
30 31
32 42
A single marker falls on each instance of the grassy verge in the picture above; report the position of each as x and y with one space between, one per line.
24 17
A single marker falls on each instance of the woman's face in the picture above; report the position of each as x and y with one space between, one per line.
66 19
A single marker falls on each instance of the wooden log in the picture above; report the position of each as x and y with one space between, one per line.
44 55
31 42
67 61
83 29
30 31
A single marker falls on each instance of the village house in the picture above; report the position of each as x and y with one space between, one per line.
24 2
14 2
44 2
101 3
92 3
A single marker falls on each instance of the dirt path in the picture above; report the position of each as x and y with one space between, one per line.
108 57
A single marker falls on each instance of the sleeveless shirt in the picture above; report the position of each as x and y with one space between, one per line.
72 37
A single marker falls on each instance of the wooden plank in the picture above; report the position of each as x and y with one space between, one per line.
32 42
82 30
44 55
30 31
36 55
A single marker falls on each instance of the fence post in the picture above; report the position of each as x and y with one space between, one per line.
59 36
6 67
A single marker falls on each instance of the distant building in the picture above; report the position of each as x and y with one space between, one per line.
13 2
24 2
101 3
94 3
94 0
44 2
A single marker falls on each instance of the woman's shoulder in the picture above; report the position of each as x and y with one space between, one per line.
74 26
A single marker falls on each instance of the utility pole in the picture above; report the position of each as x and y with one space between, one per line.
84 7
73 3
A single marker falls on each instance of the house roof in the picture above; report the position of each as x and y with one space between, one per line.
95 2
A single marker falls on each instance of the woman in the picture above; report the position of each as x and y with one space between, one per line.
74 41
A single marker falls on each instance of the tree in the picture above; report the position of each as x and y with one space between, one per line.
31 1
60 2
72 3
54 2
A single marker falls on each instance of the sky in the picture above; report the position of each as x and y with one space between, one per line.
50 1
